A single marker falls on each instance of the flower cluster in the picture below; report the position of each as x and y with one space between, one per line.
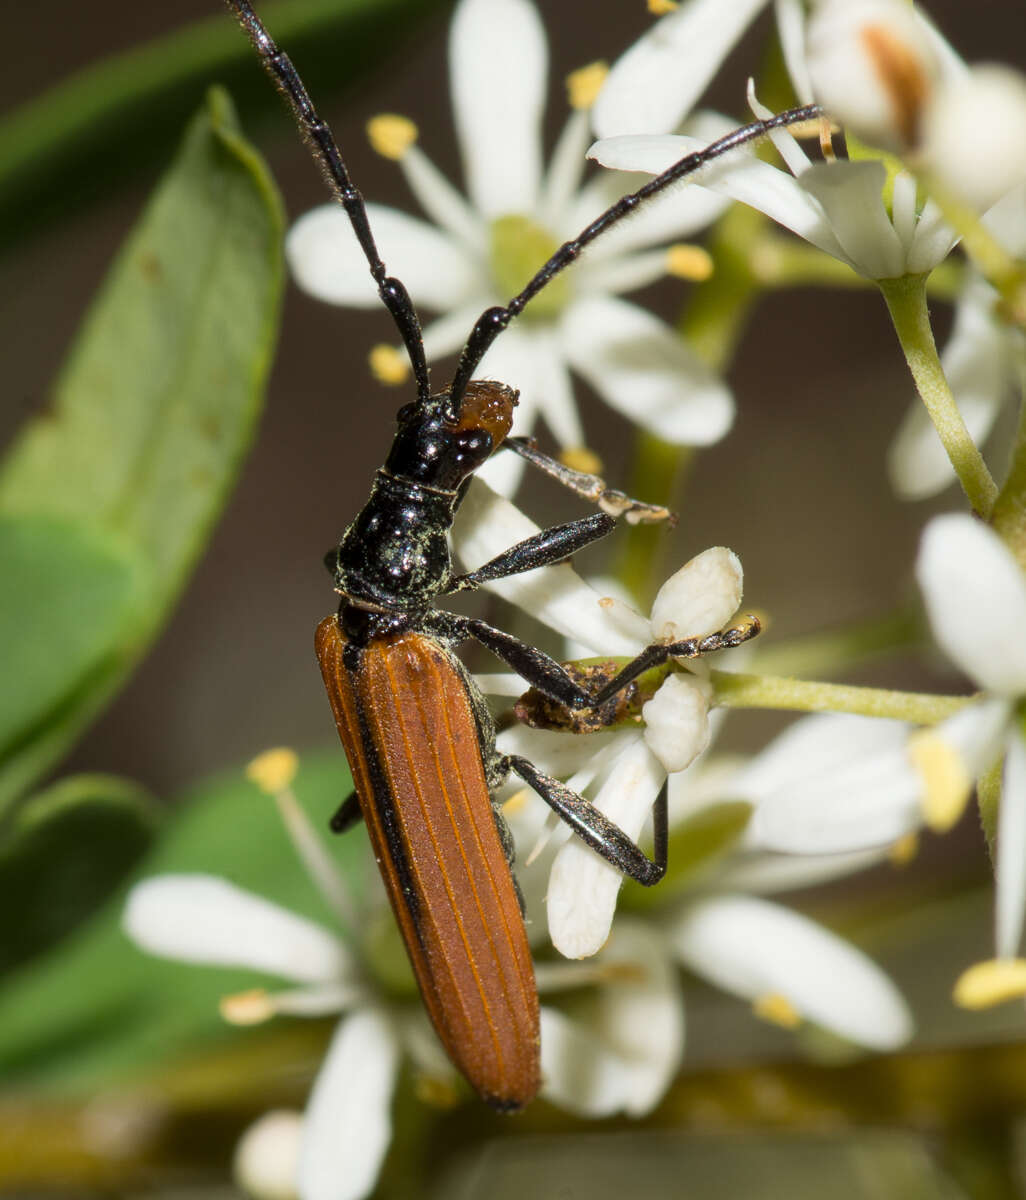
837 791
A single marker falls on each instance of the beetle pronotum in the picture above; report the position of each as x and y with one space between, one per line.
416 730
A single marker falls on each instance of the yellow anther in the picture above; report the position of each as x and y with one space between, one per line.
274 770
391 135
247 1008
388 365
659 8
992 982
584 84
777 1009
689 262
516 802
904 850
437 1092
580 458
946 782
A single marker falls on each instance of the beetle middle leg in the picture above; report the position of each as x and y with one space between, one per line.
595 829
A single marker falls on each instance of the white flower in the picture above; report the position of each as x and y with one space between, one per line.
974 135
699 599
838 206
620 1058
482 248
975 594
984 361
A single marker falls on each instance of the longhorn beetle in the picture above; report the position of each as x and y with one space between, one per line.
416 730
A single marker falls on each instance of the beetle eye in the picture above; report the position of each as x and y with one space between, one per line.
406 413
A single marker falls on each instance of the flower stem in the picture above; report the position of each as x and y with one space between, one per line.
1009 515
906 301
800 695
831 650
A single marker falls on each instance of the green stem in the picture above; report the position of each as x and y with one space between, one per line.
832 650
1009 515
906 301
799 695
712 324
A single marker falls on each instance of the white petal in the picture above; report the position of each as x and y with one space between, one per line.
738 175
766 874
977 363
579 1073
563 177
791 30
559 754
677 721
643 369
326 259
266 1160
531 359
700 598
1011 851
348 1117
677 214
754 948
204 919
832 784
498 61
583 887
851 195
443 203
487 524
975 596
932 242
977 734
625 1058
653 85
449 332
1006 220
852 45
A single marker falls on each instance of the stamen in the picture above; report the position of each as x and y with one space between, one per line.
775 1008
580 458
391 135
274 770
659 8
559 977
992 982
946 782
247 1008
518 800
388 365
319 864
904 850
584 84
689 262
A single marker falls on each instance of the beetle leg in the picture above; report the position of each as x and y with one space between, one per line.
540 671
541 550
348 814
659 652
596 830
589 487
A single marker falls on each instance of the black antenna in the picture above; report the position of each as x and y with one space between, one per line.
494 320
322 143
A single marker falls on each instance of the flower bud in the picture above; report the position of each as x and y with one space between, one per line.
872 68
974 134
266 1164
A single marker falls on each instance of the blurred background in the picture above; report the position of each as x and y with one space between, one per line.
819 383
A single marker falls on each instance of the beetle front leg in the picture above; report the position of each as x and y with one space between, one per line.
589 487
595 829
538 668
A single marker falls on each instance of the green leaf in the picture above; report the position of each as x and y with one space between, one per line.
66 591
97 1009
63 853
120 114
156 406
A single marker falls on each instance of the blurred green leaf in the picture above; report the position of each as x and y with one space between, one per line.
66 590
63 853
152 413
97 1009
85 135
